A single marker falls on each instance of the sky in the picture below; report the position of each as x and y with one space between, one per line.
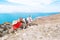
27 6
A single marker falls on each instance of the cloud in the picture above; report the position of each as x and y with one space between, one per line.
31 2
29 6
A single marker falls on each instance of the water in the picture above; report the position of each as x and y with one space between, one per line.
9 17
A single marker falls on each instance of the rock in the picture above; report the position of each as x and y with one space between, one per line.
7 23
4 29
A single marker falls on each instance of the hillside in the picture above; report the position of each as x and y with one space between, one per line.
48 19
48 28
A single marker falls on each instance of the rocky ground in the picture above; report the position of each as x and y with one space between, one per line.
38 32
48 30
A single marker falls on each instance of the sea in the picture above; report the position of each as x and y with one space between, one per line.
10 17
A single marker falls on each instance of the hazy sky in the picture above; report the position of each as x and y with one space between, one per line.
11 6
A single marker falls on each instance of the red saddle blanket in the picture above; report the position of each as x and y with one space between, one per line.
17 25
